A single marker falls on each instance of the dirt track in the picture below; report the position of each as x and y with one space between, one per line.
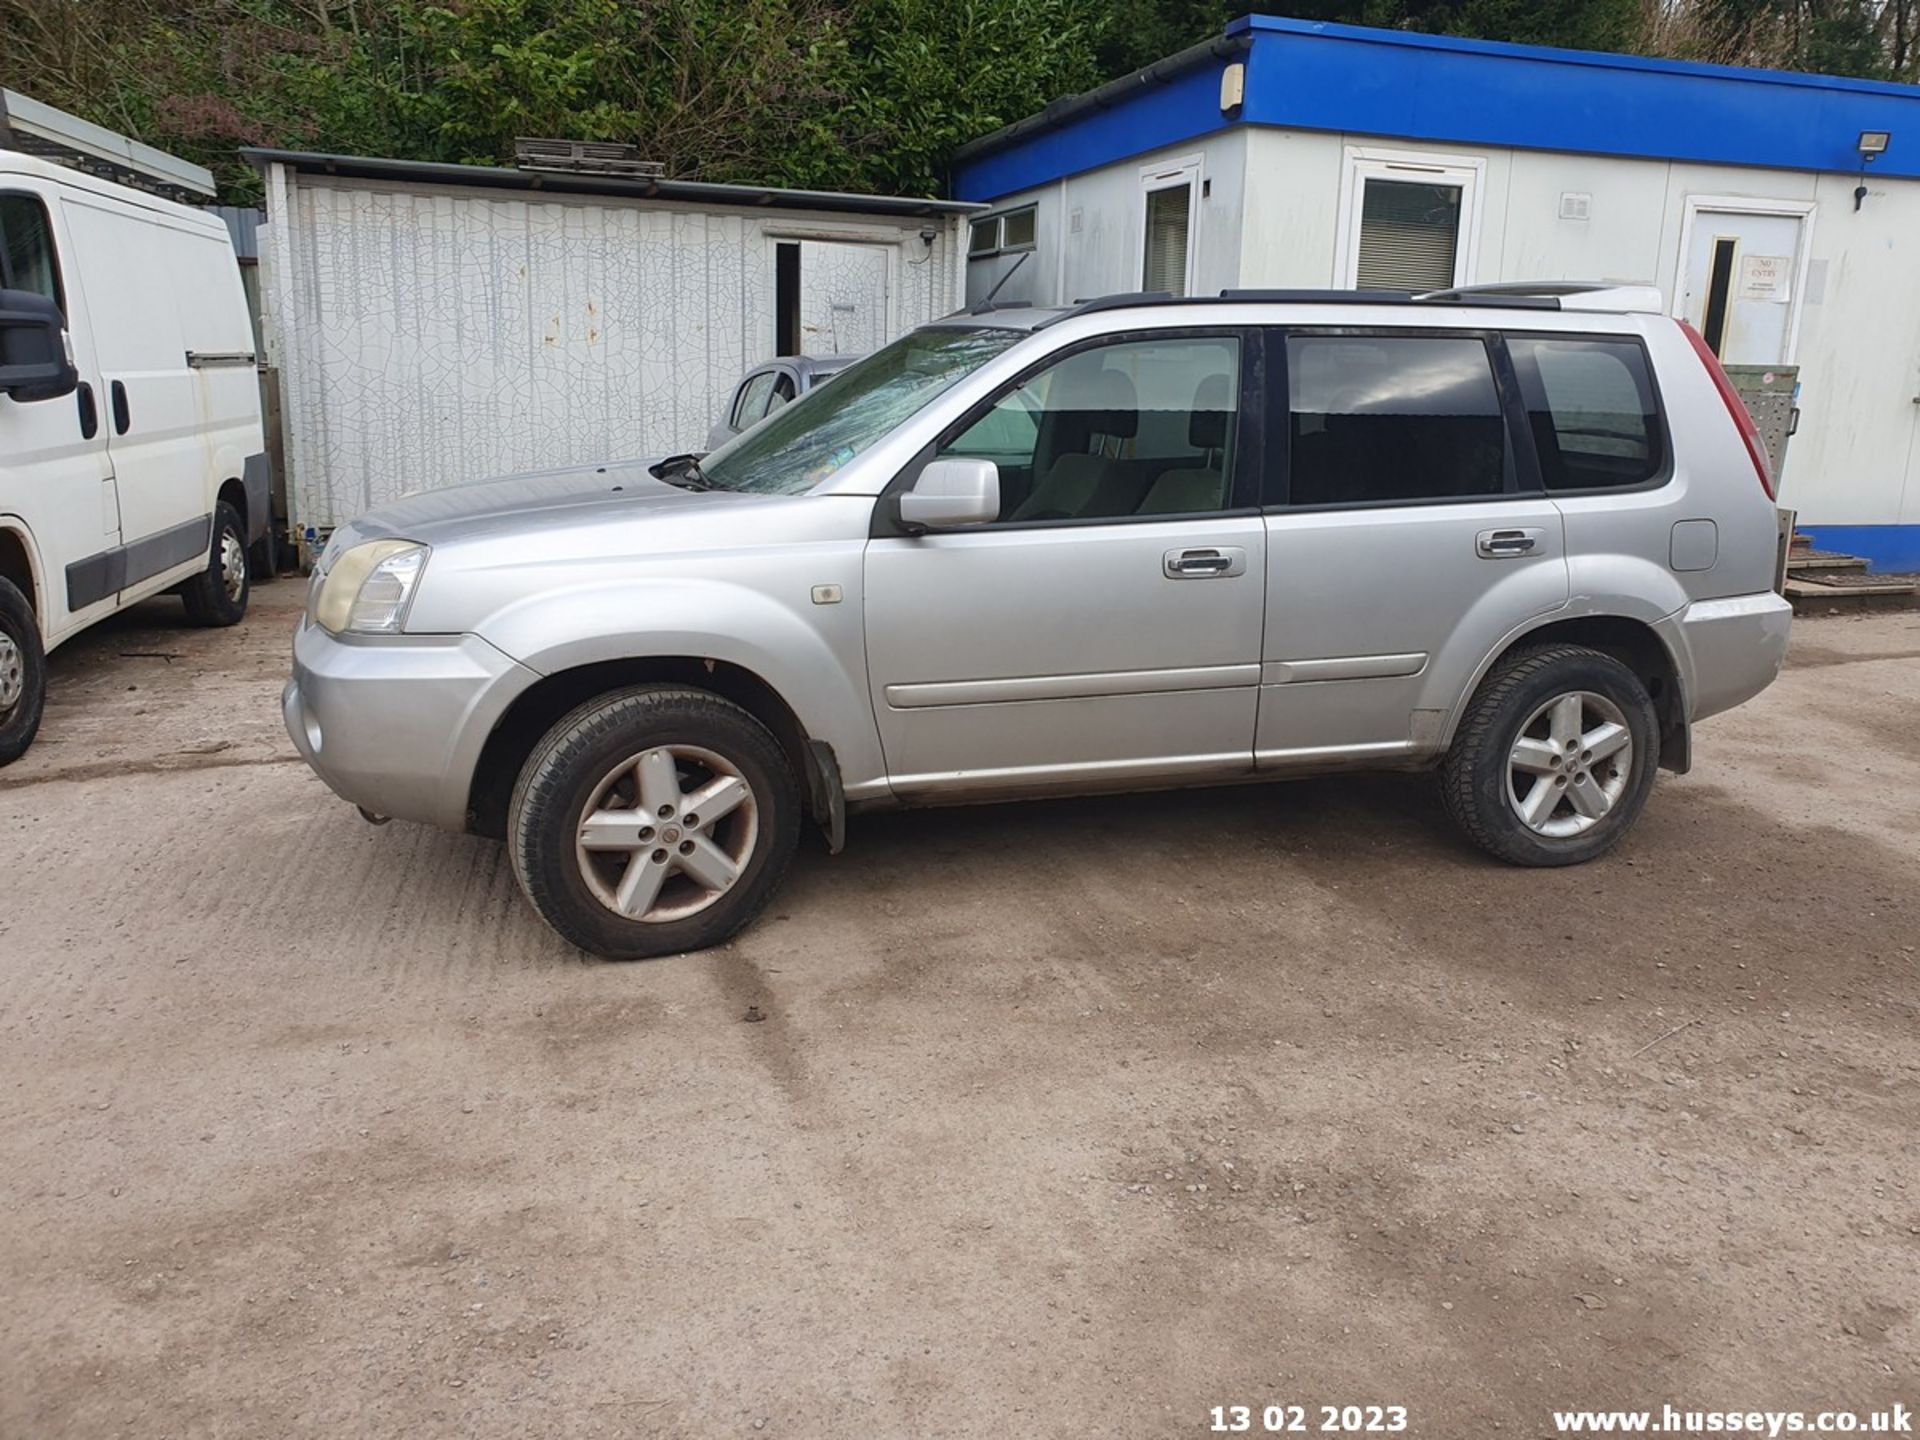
1064 1120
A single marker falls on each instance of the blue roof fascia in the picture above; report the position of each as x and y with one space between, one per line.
1184 108
1394 84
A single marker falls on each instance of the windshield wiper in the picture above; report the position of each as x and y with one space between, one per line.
681 470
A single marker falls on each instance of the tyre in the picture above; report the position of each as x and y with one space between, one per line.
1554 758
653 821
23 674
218 594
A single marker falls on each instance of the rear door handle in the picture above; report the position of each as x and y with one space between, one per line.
1216 562
1507 544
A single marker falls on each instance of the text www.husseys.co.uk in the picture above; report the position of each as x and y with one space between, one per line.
1667 1420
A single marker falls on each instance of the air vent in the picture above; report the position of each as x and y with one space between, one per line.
585 157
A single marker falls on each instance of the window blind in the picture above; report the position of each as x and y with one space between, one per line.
1409 233
1166 267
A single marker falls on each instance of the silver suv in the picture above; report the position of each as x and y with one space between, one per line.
1526 537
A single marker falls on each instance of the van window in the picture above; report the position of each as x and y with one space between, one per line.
1590 405
1382 418
26 248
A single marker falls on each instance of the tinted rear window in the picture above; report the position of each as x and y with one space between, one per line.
1403 418
1590 403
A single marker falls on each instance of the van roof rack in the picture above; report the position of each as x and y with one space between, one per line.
33 128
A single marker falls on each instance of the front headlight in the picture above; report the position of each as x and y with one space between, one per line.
368 588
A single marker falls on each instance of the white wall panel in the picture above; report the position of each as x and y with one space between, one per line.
1856 460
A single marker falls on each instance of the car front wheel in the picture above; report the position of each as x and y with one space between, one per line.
653 821
1554 758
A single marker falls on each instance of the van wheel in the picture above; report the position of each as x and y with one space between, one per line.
23 674
653 821
1555 757
218 594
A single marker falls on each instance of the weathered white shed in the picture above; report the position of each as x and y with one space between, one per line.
439 323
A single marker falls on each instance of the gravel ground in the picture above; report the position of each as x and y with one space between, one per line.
1071 1119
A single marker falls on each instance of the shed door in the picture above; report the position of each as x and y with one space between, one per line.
1740 285
843 297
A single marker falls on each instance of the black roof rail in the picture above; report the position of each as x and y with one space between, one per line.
1322 297
1501 299
1516 298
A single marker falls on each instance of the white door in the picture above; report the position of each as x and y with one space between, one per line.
55 477
843 297
1740 280
151 408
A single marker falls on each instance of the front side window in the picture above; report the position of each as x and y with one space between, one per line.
1384 418
804 443
1141 427
1591 407
26 248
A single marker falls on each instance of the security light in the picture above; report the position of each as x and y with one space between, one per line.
1873 144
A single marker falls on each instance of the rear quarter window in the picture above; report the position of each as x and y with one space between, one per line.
1591 406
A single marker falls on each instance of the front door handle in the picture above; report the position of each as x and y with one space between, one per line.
89 412
1507 544
1209 563
122 416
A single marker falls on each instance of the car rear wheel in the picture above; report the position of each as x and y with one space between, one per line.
23 673
1555 757
653 821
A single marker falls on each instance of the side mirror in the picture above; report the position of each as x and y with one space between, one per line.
952 493
35 361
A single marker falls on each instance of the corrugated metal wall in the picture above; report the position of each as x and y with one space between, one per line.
433 335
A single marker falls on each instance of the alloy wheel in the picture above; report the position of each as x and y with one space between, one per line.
667 832
1570 764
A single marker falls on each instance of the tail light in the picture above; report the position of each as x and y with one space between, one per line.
1749 432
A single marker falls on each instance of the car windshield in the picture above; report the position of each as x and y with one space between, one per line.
797 447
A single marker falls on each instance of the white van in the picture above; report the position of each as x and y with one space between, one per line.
131 452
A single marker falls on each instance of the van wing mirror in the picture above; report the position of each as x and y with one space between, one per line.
952 493
36 362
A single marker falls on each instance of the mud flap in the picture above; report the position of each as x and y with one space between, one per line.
826 799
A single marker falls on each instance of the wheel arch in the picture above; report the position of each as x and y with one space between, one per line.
233 491
1628 639
536 709
17 565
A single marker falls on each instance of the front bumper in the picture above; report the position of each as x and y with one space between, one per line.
1732 648
396 723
